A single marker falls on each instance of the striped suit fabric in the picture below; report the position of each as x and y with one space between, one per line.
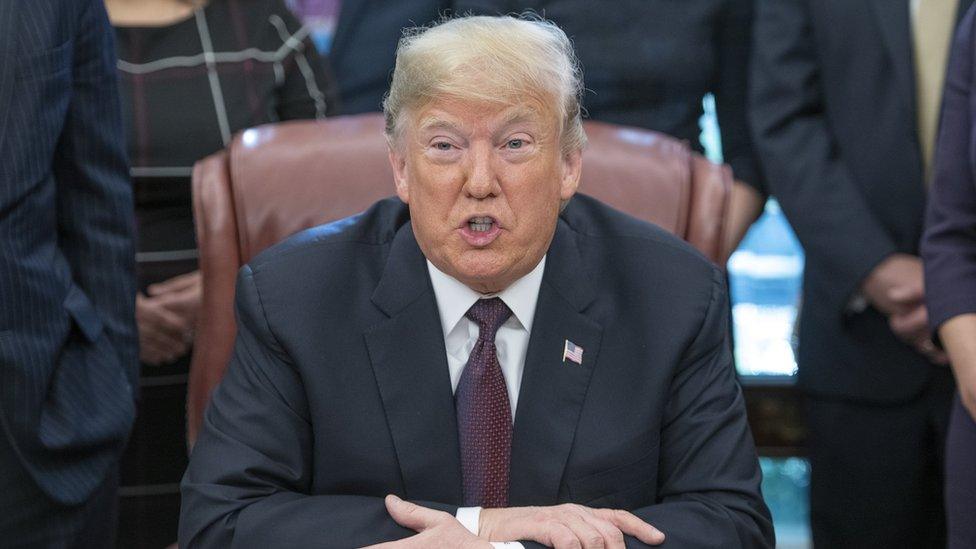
68 351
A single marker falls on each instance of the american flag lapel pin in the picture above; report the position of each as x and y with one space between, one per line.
572 352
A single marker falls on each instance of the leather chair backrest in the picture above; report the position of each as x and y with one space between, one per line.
275 180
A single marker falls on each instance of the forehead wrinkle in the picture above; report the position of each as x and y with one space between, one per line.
519 113
434 122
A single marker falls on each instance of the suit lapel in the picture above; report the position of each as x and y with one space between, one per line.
410 364
9 11
894 21
552 391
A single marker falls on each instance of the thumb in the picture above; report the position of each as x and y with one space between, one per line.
907 294
410 515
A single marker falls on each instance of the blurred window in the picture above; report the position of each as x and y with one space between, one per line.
765 274
765 277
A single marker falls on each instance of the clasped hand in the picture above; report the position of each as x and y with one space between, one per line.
896 287
166 315
567 526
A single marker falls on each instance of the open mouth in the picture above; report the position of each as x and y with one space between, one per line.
481 224
480 230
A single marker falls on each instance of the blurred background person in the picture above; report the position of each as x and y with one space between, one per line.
192 74
363 47
648 64
68 355
949 251
845 106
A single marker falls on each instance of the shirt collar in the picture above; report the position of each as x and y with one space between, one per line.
454 298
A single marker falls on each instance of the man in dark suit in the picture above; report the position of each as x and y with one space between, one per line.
845 107
67 332
519 373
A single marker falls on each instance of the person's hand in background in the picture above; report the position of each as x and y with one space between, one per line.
958 335
167 315
896 287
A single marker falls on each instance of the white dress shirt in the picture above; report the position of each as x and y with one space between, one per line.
511 341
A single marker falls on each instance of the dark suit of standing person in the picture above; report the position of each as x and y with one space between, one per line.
67 333
845 105
364 46
519 370
949 251
650 64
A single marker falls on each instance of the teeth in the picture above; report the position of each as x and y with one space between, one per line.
480 224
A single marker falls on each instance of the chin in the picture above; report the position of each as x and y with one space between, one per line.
481 277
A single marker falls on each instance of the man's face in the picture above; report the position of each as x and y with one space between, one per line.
484 184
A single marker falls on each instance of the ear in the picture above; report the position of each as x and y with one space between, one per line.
572 168
398 161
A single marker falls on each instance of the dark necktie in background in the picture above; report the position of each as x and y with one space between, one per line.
484 414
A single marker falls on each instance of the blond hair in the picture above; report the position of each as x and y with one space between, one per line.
492 59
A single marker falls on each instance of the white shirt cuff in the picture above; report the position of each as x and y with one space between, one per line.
470 517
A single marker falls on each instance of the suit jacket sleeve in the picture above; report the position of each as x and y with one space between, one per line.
249 479
95 212
709 485
730 88
949 244
800 159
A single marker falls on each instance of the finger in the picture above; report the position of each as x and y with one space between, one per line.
166 320
185 303
174 284
562 537
588 536
913 325
905 294
613 538
149 353
167 346
925 346
410 515
940 358
163 340
631 525
398 544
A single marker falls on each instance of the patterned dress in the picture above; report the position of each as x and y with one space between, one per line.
187 88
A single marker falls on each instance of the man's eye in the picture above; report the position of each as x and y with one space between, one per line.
442 146
515 143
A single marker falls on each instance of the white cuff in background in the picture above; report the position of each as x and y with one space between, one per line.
469 517
857 304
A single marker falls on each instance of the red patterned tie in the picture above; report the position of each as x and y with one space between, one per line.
483 413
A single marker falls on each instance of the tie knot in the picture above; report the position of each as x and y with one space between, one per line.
490 314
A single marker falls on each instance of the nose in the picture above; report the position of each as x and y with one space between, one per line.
481 181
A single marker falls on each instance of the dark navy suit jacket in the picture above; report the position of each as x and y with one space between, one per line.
833 110
68 355
338 391
949 246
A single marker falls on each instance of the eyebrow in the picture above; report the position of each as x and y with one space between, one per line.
434 123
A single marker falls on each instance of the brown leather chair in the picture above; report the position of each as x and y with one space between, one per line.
278 179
